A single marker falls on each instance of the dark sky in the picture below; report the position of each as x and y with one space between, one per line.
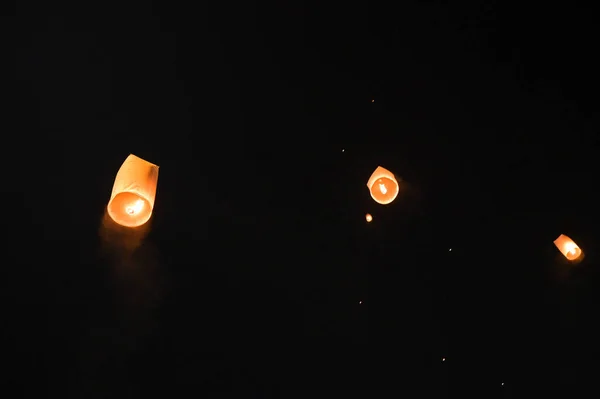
258 276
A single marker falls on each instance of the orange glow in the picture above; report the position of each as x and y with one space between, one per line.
383 186
133 193
368 217
567 247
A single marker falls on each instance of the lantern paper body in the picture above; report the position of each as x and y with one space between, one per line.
567 247
368 217
383 186
133 193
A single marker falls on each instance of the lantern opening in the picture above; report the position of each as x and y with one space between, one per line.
573 253
129 209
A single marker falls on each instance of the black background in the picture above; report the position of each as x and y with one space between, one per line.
249 280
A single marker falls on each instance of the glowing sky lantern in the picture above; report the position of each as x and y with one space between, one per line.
383 186
133 193
567 247
368 217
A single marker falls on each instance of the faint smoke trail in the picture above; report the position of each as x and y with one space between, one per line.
125 318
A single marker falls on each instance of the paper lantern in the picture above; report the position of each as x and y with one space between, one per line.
368 217
133 193
567 247
383 186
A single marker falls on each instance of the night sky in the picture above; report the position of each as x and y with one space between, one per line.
258 276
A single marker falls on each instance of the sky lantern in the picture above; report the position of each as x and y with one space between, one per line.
133 193
368 217
383 186
567 247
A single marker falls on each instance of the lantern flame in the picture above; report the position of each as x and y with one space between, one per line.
567 247
135 208
387 185
368 217
134 191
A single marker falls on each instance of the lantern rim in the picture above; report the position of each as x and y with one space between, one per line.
574 253
118 212
390 198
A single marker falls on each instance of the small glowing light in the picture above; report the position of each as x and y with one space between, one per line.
343 150
360 302
135 208
382 188
502 384
443 359
450 250
372 101
368 217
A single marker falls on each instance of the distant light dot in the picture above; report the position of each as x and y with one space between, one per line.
450 250
372 101
360 302
443 359
502 384
343 150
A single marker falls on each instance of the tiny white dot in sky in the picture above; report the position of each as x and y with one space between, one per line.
360 302
372 101
343 150
450 250
443 359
